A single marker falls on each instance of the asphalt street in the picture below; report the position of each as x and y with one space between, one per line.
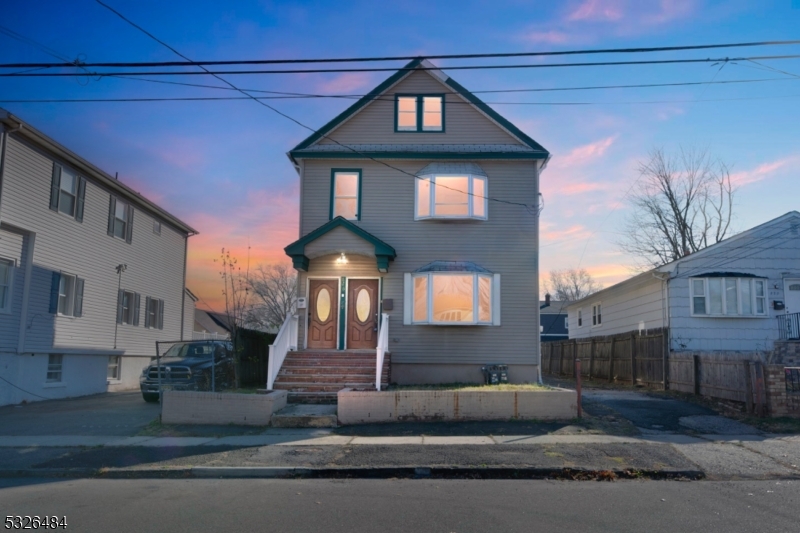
176 506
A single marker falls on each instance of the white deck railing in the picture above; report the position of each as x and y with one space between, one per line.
285 341
383 347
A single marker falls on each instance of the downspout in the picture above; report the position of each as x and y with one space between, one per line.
536 269
183 288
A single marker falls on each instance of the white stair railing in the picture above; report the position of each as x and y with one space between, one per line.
383 347
285 341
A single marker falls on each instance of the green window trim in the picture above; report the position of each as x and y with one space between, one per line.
419 98
334 171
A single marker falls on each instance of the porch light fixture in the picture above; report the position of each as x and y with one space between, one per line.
341 260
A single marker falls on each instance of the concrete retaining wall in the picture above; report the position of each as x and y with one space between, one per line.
184 407
360 407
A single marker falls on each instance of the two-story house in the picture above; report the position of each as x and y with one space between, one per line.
418 203
91 273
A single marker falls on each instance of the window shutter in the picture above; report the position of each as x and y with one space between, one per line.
496 300
147 312
129 226
54 283
78 308
55 187
120 296
136 299
112 206
80 200
161 314
408 299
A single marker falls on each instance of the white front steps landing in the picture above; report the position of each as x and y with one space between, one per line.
316 376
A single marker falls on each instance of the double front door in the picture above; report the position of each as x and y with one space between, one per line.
356 306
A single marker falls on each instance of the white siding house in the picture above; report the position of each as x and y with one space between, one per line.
65 227
732 296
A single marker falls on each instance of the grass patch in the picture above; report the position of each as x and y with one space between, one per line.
472 387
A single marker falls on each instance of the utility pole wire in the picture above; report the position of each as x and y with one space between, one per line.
396 69
188 62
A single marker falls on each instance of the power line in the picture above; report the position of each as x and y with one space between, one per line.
255 99
218 73
138 64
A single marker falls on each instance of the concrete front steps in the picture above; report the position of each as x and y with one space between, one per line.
317 376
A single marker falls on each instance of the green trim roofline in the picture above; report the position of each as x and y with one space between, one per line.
419 155
297 250
391 80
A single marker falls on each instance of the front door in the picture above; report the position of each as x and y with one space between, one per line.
791 291
362 311
323 313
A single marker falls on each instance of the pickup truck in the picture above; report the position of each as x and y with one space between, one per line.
187 366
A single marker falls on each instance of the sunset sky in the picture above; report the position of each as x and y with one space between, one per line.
221 165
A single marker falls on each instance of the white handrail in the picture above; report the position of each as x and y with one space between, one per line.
285 341
383 347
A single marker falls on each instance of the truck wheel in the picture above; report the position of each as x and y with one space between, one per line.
150 397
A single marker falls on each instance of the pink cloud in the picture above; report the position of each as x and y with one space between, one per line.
585 153
761 172
604 10
583 187
548 37
346 83
182 152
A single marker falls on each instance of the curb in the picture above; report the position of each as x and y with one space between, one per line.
368 472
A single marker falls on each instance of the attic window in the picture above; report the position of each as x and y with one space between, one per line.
419 113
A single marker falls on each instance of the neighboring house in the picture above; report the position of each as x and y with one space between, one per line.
65 226
734 295
210 325
553 321
397 217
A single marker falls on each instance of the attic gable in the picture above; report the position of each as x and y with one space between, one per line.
467 120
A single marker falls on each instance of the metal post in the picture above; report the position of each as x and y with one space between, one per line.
578 385
158 370
213 371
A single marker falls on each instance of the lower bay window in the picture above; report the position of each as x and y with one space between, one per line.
453 298
728 296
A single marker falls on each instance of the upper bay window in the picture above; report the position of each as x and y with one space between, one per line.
444 195
419 113
346 193
728 296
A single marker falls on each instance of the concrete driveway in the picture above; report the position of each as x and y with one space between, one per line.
116 414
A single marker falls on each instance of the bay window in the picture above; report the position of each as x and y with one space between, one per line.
453 298
728 296
451 196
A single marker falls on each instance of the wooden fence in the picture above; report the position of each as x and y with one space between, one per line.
254 357
631 358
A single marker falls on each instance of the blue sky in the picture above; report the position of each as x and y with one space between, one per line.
221 166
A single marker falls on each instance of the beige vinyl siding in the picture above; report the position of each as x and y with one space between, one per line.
337 241
13 246
506 244
155 262
623 308
464 124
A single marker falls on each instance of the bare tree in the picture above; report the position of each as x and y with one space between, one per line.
274 289
236 292
570 284
681 204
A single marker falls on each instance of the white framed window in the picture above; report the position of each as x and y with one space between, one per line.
451 196
597 314
454 298
120 219
728 297
345 193
419 113
68 192
55 367
580 318
566 323
157 227
66 295
114 367
128 307
6 278
154 313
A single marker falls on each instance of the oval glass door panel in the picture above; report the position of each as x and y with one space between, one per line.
323 304
363 305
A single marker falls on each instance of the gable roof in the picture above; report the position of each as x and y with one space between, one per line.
297 250
531 148
712 271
